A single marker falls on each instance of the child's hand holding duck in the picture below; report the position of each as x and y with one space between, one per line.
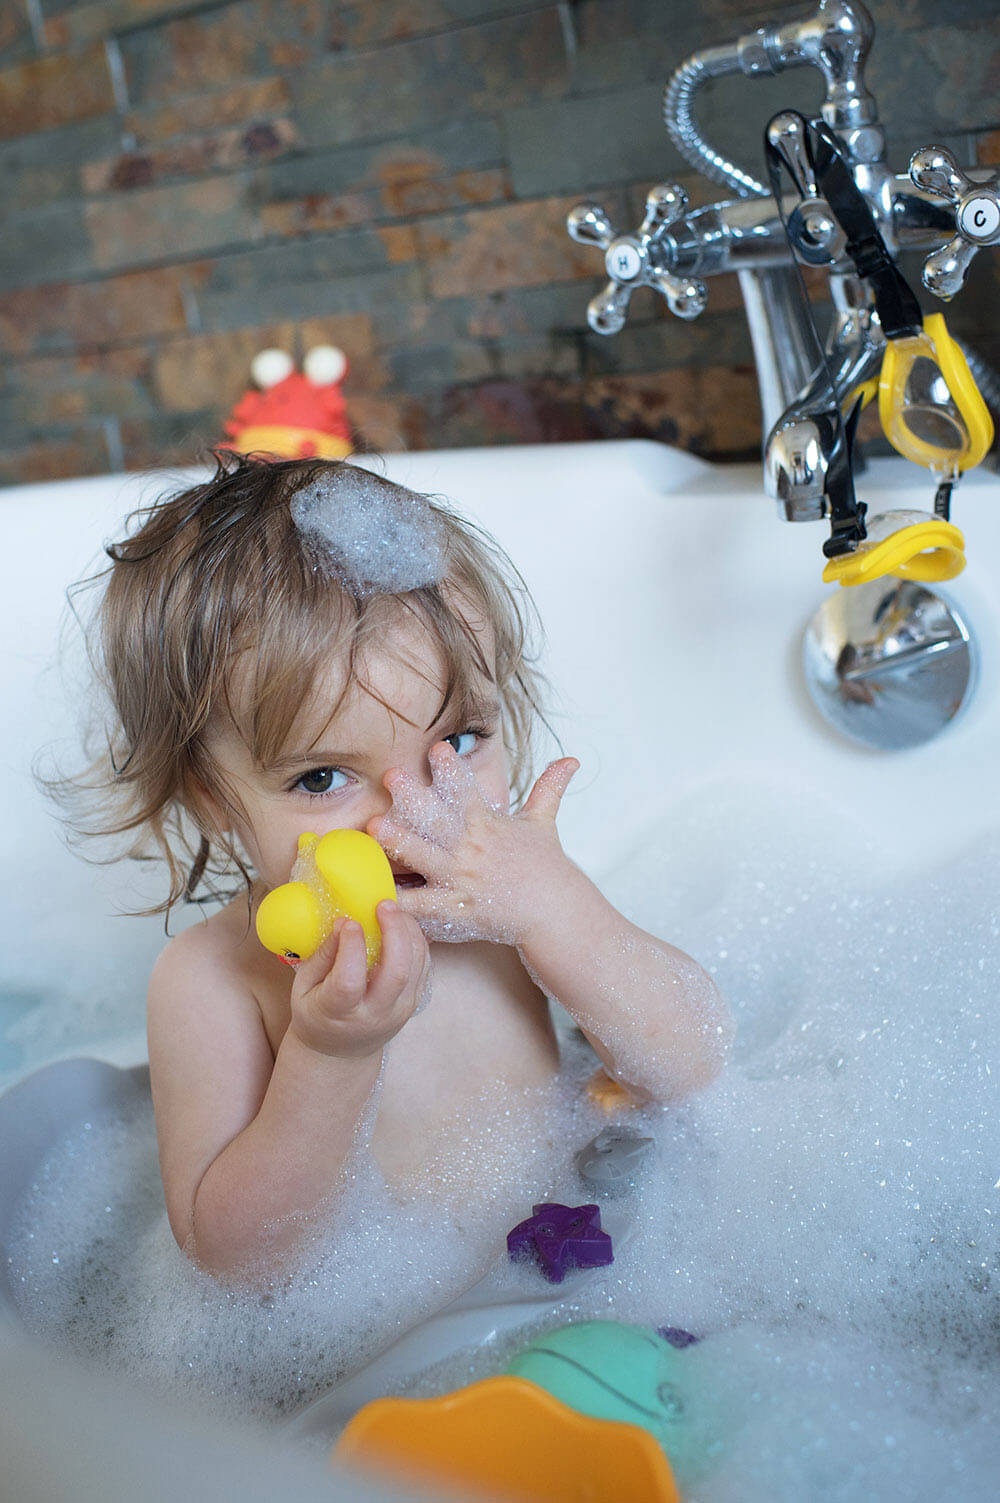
338 1008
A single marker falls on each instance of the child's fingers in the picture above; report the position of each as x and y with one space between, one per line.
417 902
545 797
402 947
435 906
309 973
409 846
345 983
451 776
432 811
411 801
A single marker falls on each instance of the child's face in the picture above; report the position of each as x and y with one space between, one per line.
330 774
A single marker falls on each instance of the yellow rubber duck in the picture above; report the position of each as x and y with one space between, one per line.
342 874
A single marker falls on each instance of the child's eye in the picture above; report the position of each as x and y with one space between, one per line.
464 742
321 780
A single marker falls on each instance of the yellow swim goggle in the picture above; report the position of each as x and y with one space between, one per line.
933 413
909 544
929 405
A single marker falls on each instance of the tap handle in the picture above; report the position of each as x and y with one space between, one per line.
686 296
665 204
788 134
636 260
590 225
813 230
607 312
977 216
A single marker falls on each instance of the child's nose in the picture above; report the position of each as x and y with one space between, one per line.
378 805
381 798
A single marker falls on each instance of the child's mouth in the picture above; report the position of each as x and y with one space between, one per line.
409 879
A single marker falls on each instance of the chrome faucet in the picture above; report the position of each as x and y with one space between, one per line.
806 387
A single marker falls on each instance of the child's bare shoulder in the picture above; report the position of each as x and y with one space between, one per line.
203 988
213 949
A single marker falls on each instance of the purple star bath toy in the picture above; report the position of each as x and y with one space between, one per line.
561 1237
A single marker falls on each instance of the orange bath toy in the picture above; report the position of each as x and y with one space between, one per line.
608 1094
508 1439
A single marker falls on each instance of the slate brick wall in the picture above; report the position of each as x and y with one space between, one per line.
187 181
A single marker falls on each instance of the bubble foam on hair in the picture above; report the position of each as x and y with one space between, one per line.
377 538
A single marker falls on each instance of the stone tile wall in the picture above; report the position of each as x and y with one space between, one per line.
187 181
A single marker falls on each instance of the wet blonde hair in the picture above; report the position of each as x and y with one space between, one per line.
221 572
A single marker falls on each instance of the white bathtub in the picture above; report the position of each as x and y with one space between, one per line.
674 603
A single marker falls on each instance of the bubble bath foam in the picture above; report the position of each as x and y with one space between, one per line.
822 1217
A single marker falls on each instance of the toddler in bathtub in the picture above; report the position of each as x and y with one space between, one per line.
303 645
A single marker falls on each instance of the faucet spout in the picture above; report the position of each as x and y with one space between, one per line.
796 451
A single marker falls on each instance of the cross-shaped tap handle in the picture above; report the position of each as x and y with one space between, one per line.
635 260
977 216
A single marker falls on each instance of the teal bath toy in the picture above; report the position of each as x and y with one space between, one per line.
612 1371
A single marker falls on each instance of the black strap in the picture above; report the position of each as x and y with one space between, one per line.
897 307
942 498
847 513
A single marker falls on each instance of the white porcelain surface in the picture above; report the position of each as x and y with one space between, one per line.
674 603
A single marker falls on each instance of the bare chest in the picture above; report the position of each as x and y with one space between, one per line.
482 1039
458 1081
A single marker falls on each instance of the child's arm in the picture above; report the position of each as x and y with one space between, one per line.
251 1144
653 1016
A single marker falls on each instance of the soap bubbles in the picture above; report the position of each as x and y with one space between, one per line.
376 537
823 1216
